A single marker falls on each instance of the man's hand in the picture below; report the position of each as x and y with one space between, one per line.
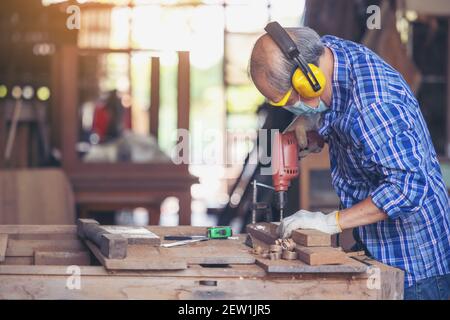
308 143
309 220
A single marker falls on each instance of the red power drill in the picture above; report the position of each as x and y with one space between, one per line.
285 162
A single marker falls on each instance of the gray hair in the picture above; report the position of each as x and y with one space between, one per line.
279 72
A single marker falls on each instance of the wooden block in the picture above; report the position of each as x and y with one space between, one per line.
289 255
316 256
311 238
81 225
3 246
134 235
264 232
113 246
62 258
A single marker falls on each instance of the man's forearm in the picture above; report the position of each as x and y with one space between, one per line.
361 214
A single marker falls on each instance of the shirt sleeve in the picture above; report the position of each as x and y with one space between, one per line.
385 136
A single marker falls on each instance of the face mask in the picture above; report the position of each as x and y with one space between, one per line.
302 109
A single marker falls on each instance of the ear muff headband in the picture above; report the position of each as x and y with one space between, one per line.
312 74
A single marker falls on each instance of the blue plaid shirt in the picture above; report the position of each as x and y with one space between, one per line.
380 146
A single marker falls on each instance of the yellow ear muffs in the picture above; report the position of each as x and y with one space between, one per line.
302 85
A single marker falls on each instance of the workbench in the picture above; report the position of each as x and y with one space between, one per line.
20 278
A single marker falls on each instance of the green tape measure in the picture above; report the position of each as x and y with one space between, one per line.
219 232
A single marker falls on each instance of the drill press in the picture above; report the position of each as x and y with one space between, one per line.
285 167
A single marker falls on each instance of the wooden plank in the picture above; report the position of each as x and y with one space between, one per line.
38 229
17 261
214 252
338 287
298 266
230 252
315 256
208 252
44 236
3 246
240 271
62 258
140 257
134 235
311 238
26 248
72 229
177 230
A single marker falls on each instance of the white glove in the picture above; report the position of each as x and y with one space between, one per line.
309 220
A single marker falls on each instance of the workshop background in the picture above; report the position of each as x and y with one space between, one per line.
89 109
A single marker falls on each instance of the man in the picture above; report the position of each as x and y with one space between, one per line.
383 164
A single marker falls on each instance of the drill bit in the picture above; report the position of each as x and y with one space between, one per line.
255 199
281 214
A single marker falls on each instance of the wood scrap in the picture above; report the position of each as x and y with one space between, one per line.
316 256
311 238
275 248
286 244
263 231
289 255
258 250
275 255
